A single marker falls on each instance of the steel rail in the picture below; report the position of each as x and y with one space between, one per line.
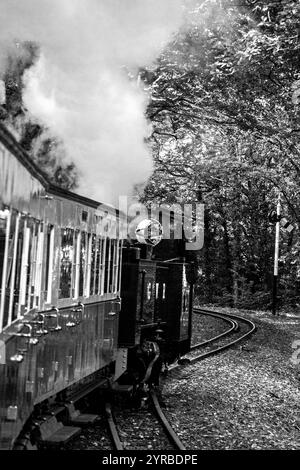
174 439
234 327
164 421
250 323
112 427
228 315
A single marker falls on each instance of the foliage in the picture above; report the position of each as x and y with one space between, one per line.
225 114
43 148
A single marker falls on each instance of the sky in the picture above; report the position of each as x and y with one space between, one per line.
79 86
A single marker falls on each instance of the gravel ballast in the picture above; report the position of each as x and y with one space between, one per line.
245 398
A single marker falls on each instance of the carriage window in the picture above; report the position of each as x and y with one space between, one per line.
115 266
107 266
3 223
76 265
119 266
34 263
49 263
98 266
82 262
8 273
116 263
4 247
88 266
24 267
18 256
16 279
112 265
13 270
93 264
103 247
39 266
31 265
66 262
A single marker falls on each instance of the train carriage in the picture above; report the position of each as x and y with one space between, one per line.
60 258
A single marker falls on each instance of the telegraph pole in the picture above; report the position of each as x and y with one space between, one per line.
276 256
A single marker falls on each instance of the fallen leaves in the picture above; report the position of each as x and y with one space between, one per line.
245 398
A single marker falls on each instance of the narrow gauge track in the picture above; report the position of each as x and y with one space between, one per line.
163 429
234 326
118 445
237 325
160 427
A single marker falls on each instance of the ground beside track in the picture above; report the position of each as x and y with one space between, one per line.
94 437
205 327
245 398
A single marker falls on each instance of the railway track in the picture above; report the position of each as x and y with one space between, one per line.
157 425
144 429
240 328
113 429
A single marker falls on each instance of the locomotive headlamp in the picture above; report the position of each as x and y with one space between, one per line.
149 232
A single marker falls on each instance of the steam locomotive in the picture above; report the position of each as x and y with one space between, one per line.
78 305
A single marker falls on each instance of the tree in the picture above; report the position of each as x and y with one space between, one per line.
224 117
44 149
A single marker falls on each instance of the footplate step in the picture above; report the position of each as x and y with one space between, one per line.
53 432
79 419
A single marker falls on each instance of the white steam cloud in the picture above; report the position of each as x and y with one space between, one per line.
79 87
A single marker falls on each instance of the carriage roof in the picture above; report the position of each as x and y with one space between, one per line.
38 177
